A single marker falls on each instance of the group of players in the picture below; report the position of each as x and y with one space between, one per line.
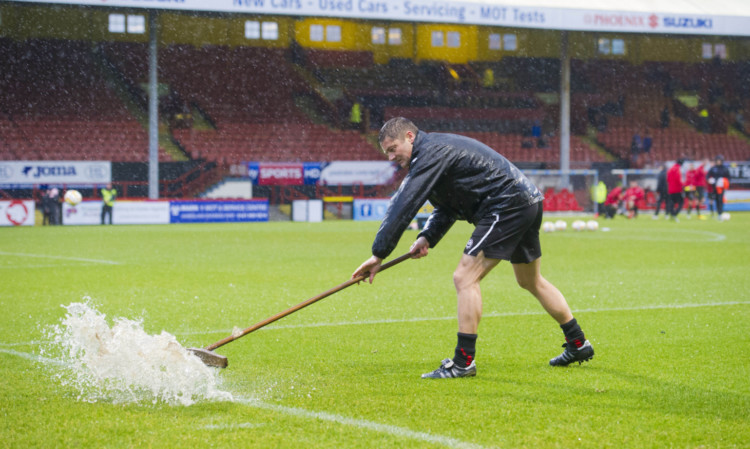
675 189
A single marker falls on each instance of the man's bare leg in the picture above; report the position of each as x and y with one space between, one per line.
470 271
577 348
529 276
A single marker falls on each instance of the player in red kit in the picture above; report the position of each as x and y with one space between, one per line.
632 196
674 187
699 181
612 203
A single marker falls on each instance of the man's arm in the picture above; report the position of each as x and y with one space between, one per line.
413 193
437 226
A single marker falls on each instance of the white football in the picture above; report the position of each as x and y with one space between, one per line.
725 216
592 225
73 197
548 226
561 225
579 225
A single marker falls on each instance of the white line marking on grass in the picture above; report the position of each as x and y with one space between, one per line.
22 343
397 431
439 318
651 236
48 256
32 357
486 315
34 267
242 425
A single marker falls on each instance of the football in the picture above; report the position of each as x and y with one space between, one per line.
561 225
73 197
579 225
725 216
548 226
592 225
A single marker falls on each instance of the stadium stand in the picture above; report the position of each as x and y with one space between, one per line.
252 108
58 104
276 142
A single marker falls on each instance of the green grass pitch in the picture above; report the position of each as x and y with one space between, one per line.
666 305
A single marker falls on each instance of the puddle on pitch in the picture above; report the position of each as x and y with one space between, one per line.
121 363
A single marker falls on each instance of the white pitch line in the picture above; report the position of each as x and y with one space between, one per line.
242 425
401 432
486 315
441 318
32 357
48 256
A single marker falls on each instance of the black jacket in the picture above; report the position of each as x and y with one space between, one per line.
661 182
716 172
463 178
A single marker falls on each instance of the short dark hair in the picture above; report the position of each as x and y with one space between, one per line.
395 128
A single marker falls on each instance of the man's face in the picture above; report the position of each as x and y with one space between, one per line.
399 150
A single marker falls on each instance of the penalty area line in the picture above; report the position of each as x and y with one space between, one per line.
49 256
400 432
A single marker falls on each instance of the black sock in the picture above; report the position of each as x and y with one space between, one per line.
573 333
465 349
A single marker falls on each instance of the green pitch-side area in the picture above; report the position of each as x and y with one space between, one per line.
666 306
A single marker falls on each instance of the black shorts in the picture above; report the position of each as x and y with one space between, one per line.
512 236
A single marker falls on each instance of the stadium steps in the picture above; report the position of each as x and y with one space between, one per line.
230 188
307 105
590 140
120 87
739 134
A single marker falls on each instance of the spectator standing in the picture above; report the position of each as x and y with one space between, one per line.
636 146
109 194
674 187
663 193
718 182
599 196
55 208
648 141
47 208
665 117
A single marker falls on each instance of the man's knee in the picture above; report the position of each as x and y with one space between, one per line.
528 280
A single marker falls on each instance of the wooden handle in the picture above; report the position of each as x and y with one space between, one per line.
306 303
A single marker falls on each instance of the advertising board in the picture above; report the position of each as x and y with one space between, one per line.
17 213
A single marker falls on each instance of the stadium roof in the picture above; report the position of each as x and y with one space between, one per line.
715 17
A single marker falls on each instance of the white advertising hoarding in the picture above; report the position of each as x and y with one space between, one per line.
17 213
123 212
358 172
676 17
25 174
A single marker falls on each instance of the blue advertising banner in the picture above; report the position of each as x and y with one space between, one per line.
369 209
312 171
218 211
275 173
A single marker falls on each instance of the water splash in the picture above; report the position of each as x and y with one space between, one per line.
124 364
